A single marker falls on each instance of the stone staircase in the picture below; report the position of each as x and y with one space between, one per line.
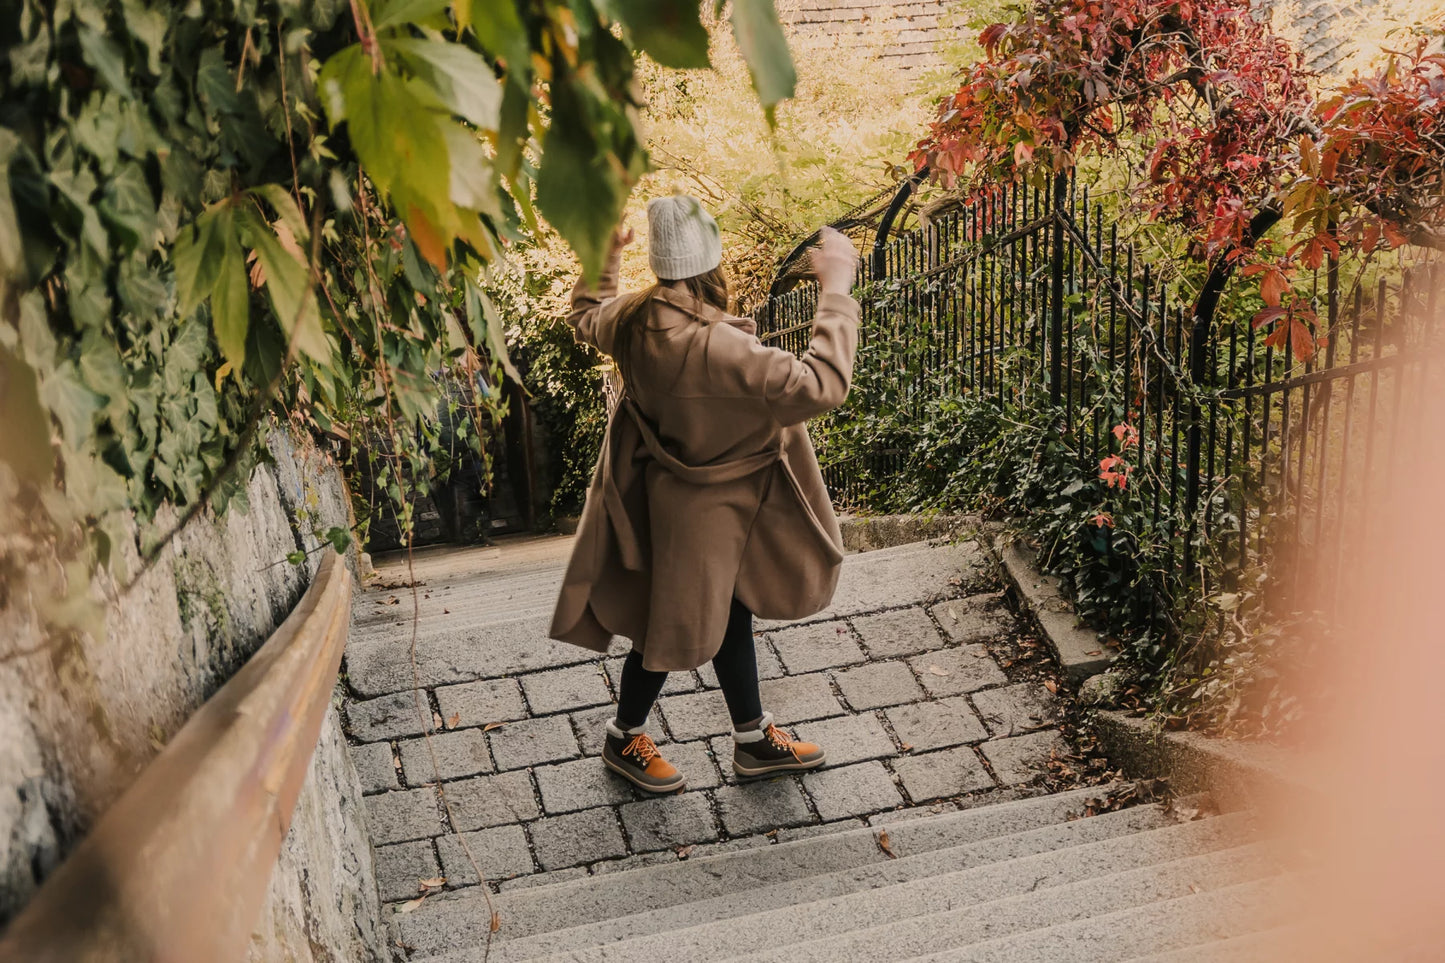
1032 880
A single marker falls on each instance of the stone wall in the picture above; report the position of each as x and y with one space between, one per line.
905 33
1334 36
82 713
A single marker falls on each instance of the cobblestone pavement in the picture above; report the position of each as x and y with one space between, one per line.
909 681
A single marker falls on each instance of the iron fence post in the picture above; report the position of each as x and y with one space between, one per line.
1058 200
1198 351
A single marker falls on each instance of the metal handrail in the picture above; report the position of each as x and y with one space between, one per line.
178 868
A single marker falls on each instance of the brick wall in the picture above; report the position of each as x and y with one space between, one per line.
1334 35
906 33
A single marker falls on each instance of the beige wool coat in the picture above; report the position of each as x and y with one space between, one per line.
707 486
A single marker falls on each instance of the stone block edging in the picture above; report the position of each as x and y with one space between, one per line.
865 533
1080 652
1240 775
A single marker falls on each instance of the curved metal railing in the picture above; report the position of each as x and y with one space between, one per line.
177 869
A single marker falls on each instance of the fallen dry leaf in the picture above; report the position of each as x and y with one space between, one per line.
908 747
492 725
1095 652
452 722
432 883
496 921
885 844
436 719
1051 685
411 904
937 670
683 851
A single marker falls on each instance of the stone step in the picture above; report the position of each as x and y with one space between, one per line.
896 577
1124 934
530 591
460 920
1265 946
1096 893
770 934
483 600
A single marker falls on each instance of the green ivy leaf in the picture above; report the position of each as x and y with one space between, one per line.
147 25
500 31
106 57
394 132
215 83
288 282
286 210
458 77
486 327
472 183
74 405
343 70
392 13
578 188
765 49
668 31
197 255
512 127
231 302
128 207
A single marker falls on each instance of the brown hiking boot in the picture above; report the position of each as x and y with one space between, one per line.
768 749
634 757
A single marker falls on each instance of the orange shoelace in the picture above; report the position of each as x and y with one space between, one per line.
782 740
642 747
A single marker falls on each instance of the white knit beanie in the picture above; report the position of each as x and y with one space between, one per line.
682 239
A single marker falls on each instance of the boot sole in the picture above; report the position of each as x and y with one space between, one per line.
660 788
744 772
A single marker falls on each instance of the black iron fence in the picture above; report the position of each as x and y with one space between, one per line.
1245 454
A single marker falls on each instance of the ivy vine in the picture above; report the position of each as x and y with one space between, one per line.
217 214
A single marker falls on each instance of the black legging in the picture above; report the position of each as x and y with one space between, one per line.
736 665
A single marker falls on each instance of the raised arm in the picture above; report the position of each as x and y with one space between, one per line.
797 389
592 323
819 381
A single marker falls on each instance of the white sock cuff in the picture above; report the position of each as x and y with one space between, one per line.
755 735
613 729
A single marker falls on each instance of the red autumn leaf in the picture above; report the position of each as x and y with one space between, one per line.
990 37
1268 316
427 238
1273 286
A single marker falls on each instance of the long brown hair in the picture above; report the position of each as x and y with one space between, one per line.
710 287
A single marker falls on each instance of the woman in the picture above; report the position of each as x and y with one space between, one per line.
707 506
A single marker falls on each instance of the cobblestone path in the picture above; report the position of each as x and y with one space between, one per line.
907 681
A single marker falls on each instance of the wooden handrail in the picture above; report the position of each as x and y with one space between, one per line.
177 869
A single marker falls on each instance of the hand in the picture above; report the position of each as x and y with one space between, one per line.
622 236
834 261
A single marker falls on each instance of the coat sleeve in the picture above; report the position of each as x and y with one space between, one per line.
594 309
796 389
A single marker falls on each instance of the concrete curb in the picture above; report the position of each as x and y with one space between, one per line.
1239 774
1078 650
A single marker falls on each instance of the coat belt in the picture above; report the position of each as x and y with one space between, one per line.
628 544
